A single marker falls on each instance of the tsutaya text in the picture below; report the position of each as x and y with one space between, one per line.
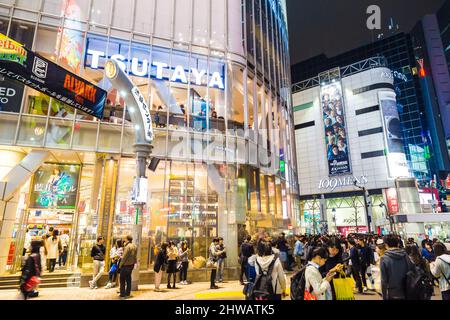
333 183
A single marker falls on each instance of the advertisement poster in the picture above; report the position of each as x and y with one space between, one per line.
26 67
397 163
55 186
336 137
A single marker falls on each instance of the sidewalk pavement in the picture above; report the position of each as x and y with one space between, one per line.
197 291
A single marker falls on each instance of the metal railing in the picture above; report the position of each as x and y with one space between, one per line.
346 71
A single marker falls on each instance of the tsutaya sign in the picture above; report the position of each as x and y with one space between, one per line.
141 66
338 182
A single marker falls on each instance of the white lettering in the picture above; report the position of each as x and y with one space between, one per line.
159 69
179 75
374 20
120 61
135 66
333 183
216 81
95 57
198 76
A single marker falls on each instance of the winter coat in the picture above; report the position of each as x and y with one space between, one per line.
53 247
439 268
278 276
393 266
161 258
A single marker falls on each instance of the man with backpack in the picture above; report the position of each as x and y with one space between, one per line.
270 282
394 267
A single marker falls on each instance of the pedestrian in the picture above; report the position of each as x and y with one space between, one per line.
221 260
427 251
31 271
298 251
380 250
334 260
160 265
314 283
413 252
440 268
172 256
115 254
183 255
425 240
267 261
54 250
213 258
64 238
394 266
281 244
365 258
355 264
98 254
247 251
126 266
27 242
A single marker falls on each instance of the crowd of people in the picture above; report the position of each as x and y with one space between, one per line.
384 265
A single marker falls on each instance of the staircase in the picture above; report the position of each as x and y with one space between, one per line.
48 280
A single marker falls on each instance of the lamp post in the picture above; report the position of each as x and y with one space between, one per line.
388 216
366 204
334 220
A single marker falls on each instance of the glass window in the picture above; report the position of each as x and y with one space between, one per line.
144 16
183 20
236 108
122 14
201 22
163 25
100 12
218 12
28 4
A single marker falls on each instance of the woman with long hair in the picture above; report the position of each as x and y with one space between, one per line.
115 255
54 249
183 254
440 268
160 265
172 256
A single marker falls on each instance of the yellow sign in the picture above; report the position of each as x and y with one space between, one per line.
11 50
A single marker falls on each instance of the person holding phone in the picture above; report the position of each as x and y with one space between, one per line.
334 261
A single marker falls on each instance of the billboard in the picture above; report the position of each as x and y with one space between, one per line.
397 163
55 186
26 67
336 137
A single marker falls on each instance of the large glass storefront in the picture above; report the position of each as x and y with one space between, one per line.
219 93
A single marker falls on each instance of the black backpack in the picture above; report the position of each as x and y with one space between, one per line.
263 288
419 285
298 283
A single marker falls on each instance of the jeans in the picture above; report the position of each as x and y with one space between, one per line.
98 269
213 277
244 261
284 259
184 270
125 281
363 275
220 267
356 272
446 295
63 257
158 277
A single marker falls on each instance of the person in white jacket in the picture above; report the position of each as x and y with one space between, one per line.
263 261
440 268
314 283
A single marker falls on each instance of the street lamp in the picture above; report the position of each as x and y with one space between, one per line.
334 220
366 205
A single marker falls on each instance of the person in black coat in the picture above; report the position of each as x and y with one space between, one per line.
247 250
32 267
356 264
160 264
335 252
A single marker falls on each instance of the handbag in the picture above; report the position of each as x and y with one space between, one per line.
179 266
113 269
309 296
211 264
343 287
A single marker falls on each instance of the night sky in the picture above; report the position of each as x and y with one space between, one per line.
336 26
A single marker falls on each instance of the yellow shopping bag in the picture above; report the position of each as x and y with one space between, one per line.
343 287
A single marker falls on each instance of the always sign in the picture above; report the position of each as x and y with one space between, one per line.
22 65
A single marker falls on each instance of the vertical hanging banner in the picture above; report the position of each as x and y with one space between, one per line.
22 65
397 163
336 137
